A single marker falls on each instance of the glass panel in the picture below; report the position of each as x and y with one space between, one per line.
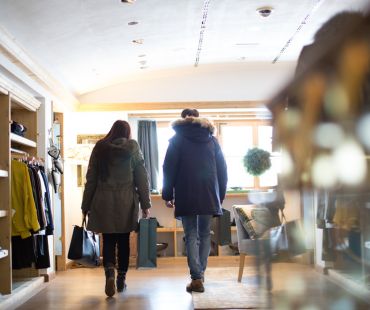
163 135
265 138
269 178
236 140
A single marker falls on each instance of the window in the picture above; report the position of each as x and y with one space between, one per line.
236 137
235 140
164 132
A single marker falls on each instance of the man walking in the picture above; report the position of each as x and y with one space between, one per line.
194 182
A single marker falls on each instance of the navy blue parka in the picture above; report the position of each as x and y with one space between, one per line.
194 169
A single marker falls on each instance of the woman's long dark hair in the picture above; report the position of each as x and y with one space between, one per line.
120 129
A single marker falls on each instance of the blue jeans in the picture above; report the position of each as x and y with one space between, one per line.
197 229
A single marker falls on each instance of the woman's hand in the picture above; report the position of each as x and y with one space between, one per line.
170 204
145 213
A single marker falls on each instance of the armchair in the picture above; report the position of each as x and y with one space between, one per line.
260 248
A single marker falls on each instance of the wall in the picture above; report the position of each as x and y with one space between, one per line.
250 81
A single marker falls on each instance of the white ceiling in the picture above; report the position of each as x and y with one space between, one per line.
87 44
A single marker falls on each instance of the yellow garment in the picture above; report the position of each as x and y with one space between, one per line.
25 217
347 214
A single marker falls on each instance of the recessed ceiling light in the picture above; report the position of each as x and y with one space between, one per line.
127 1
141 55
265 11
132 23
138 41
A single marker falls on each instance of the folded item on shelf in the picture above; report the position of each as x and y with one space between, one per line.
17 128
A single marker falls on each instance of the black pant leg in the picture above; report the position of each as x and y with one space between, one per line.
109 249
123 251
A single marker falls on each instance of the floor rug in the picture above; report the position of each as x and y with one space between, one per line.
223 291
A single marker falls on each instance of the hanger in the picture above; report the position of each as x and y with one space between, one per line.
19 154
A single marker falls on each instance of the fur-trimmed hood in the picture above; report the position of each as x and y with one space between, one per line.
196 121
194 128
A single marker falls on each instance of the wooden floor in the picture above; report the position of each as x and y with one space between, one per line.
295 287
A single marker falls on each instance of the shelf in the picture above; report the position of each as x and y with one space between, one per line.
21 140
3 253
3 213
180 229
166 229
3 174
24 101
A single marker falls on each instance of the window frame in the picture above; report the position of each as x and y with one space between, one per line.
254 124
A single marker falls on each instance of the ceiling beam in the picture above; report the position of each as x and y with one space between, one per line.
19 58
155 106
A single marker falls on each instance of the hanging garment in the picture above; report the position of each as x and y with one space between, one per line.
42 252
38 197
24 219
23 252
34 192
48 212
325 208
42 195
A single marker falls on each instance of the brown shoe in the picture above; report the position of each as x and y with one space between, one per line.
195 286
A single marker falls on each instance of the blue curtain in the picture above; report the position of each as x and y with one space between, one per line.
147 139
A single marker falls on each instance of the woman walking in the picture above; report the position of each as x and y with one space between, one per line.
116 183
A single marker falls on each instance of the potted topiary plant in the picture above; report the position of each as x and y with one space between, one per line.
257 161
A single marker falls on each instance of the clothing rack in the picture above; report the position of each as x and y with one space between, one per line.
24 156
16 151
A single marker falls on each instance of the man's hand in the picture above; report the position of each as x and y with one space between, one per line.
170 204
145 213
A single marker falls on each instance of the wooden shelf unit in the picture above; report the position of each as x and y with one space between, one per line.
3 253
3 213
172 232
22 141
12 108
178 231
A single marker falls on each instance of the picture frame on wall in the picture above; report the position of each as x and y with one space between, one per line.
85 143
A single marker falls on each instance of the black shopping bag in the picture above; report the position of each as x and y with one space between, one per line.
222 228
84 247
147 243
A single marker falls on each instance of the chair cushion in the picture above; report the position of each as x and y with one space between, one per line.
255 219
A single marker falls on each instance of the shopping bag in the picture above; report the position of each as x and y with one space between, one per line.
53 150
287 239
84 248
222 228
147 243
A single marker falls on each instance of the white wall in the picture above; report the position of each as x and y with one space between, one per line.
250 81
76 123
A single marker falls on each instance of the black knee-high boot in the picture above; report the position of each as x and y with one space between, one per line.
121 280
110 288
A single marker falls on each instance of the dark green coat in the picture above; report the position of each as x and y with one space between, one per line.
113 205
